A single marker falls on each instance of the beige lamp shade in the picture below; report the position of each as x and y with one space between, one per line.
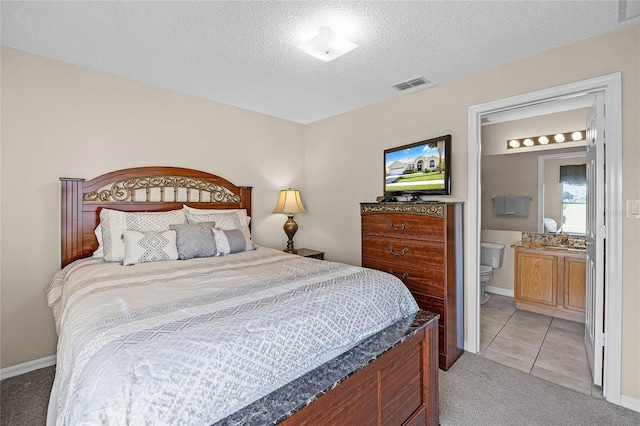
289 202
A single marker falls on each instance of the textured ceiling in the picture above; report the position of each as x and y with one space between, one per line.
245 54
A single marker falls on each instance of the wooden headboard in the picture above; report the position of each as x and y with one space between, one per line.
140 189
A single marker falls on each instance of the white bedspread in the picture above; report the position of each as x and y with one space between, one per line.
190 342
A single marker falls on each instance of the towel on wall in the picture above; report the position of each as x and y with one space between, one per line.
511 205
498 205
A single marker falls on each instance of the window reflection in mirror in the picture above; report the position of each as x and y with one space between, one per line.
574 208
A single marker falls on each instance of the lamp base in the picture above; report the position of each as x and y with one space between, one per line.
290 228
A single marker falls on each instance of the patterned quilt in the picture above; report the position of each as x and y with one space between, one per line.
190 342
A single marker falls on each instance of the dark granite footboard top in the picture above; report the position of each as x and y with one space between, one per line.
294 396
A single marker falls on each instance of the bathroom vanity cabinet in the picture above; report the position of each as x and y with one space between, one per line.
421 243
550 282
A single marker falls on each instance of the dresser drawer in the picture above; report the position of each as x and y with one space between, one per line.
407 252
431 304
404 226
422 280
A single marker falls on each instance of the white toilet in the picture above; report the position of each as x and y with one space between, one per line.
491 255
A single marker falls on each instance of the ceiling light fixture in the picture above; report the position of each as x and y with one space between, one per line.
327 45
533 141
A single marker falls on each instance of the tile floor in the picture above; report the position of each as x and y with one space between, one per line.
543 346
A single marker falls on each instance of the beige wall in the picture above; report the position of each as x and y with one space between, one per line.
515 174
343 154
63 120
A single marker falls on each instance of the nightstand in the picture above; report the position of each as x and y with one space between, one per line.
315 254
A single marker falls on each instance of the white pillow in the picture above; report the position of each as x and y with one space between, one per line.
142 247
231 241
114 222
192 211
100 251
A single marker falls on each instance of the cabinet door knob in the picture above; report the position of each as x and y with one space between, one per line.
404 251
404 225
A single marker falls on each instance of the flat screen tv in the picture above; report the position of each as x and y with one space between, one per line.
420 168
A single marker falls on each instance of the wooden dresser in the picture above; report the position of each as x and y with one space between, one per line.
421 243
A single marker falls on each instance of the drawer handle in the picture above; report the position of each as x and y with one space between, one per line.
404 225
404 251
403 277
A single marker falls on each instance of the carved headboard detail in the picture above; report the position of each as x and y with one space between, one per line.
130 189
141 189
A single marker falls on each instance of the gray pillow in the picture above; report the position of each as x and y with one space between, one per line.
195 240
231 241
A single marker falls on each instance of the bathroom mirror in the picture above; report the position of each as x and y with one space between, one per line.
562 201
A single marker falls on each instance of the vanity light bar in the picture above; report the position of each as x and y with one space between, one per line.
578 135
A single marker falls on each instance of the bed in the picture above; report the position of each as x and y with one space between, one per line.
250 335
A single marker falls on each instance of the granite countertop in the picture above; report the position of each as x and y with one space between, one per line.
552 242
548 247
294 396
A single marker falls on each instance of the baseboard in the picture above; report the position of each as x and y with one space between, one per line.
25 367
499 290
630 403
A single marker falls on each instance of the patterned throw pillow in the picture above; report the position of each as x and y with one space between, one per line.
231 241
142 247
195 240
114 222
226 221
192 211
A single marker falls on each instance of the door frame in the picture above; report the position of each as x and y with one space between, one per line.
611 85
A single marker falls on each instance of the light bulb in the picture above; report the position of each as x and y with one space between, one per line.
576 136
528 142
559 137
514 143
543 140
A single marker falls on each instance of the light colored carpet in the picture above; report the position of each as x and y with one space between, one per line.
475 391
478 391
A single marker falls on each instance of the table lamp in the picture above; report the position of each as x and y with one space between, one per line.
290 203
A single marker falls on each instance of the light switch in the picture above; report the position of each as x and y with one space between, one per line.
633 209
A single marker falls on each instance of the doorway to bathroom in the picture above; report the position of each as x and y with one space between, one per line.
552 177
609 87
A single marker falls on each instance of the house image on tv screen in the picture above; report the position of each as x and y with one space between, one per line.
417 167
414 165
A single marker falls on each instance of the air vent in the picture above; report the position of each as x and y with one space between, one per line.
409 84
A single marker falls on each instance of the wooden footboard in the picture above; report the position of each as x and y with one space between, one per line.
399 388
